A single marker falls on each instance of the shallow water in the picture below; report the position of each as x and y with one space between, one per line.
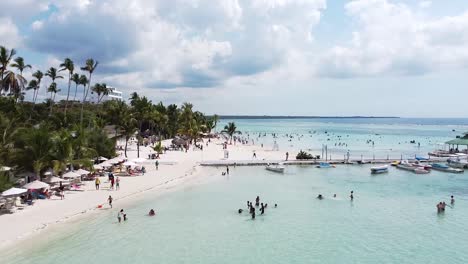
391 136
391 220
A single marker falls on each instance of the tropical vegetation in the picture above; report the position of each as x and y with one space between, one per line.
60 132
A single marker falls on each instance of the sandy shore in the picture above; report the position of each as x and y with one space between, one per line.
32 220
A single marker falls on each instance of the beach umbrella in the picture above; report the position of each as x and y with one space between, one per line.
129 163
102 158
139 160
36 185
97 167
106 164
14 192
71 175
82 172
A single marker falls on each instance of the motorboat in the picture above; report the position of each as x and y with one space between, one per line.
277 168
445 168
409 167
457 163
379 169
420 165
325 165
395 163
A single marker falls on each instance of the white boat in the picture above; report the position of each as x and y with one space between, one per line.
445 168
410 167
277 168
457 163
379 169
325 165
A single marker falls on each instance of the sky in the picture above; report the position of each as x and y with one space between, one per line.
258 57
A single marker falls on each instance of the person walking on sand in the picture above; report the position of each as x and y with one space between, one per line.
110 199
227 170
112 183
156 164
287 156
117 183
97 182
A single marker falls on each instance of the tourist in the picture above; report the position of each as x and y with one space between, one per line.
227 170
125 217
112 183
452 200
240 211
156 164
151 213
320 197
117 183
97 182
254 155
253 213
352 195
120 214
287 156
262 210
110 201
248 204
266 205
276 205
334 195
257 201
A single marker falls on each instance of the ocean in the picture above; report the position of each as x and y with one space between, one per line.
392 218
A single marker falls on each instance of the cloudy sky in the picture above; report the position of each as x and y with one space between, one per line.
275 57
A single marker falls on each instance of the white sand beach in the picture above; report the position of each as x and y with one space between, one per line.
176 168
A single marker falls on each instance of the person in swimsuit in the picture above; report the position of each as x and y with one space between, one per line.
253 212
119 215
110 201
352 195
257 201
452 200
320 197
276 205
240 211
151 213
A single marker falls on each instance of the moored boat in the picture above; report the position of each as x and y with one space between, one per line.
410 167
445 168
325 165
457 163
277 168
379 169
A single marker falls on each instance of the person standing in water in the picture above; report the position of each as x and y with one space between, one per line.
227 170
352 195
452 200
287 156
262 209
120 215
110 201
257 201
253 213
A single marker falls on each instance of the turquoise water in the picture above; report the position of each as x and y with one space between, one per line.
391 136
392 219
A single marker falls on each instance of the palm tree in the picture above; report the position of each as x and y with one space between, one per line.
53 90
90 67
15 83
101 90
21 66
70 67
5 58
231 129
76 79
38 75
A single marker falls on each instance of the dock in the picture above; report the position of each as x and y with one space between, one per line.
216 163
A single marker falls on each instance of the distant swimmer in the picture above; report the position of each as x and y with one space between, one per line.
452 200
240 211
276 205
266 205
257 201
441 207
334 195
151 213
253 212
352 195
320 197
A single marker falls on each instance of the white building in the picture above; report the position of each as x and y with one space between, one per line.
114 94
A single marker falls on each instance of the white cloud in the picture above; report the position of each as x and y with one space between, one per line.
425 4
9 34
394 39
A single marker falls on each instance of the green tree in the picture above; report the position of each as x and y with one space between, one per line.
230 129
69 66
90 67
6 56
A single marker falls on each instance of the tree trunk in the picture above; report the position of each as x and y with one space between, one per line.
68 94
76 90
126 143
84 100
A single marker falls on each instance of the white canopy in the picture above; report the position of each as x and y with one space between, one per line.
14 192
71 174
102 158
106 164
47 173
139 160
129 163
36 185
97 167
115 160
82 172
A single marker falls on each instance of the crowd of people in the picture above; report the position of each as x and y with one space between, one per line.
252 209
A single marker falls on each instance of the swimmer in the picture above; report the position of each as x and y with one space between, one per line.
334 195
320 197
240 211
452 200
352 195
266 205
151 213
276 205
257 201
125 217
253 213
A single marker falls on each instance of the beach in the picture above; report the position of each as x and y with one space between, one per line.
177 168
